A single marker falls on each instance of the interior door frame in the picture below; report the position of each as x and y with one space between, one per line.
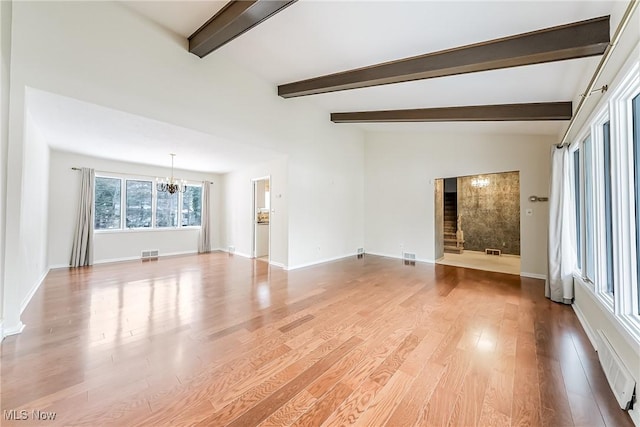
254 210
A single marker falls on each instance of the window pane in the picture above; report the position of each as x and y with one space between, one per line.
589 209
576 176
636 155
167 209
138 204
606 146
107 203
191 206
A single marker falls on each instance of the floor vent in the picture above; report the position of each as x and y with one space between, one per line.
619 377
149 255
408 256
492 252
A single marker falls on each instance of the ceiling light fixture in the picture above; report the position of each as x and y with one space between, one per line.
480 182
171 185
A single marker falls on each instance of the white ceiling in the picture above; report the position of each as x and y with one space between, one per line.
315 37
80 127
312 38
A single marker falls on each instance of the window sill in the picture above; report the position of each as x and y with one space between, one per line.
144 230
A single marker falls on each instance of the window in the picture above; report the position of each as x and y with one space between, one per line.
139 202
608 223
107 203
192 206
166 210
589 225
635 112
576 176
144 206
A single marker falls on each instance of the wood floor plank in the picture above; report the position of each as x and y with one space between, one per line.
324 407
194 340
265 408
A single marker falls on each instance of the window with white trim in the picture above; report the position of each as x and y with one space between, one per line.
606 182
608 207
107 203
589 210
123 203
577 198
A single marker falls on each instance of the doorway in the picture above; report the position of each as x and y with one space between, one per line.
261 220
478 221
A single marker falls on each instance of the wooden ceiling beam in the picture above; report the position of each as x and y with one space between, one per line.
234 19
478 113
570 41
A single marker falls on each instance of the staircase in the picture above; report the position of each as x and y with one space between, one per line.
453 239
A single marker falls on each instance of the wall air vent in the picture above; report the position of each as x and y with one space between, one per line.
408 256
150 254
492 252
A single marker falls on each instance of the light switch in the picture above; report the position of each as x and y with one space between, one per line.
529 212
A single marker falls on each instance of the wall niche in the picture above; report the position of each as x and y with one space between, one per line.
490 209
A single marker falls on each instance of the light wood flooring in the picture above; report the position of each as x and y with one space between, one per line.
480 261
213 340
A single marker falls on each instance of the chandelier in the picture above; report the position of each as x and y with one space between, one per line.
171 185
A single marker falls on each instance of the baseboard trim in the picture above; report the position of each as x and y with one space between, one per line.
242 254
13 331
321 261
27 299
428 261
135 258
585 326
534 275
278 264
58 266
1 331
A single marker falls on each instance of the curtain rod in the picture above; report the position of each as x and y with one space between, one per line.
130 174
603 61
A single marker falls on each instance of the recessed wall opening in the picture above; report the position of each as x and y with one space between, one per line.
477 221
261 212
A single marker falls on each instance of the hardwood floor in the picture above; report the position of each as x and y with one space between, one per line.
218 340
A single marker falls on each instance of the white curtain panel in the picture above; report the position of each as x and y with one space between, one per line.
204 241
82 250
562 231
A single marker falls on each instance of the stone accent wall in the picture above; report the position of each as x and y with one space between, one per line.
491 214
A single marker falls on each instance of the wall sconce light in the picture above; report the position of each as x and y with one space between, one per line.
538 199
480 182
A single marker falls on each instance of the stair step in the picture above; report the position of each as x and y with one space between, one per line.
453 241
453 250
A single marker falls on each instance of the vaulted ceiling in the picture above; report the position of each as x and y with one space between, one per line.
313 38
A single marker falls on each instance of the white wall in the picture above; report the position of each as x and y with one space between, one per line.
5 67
399 190
112 246
74 54
26 262
237 216
34 209
599 318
